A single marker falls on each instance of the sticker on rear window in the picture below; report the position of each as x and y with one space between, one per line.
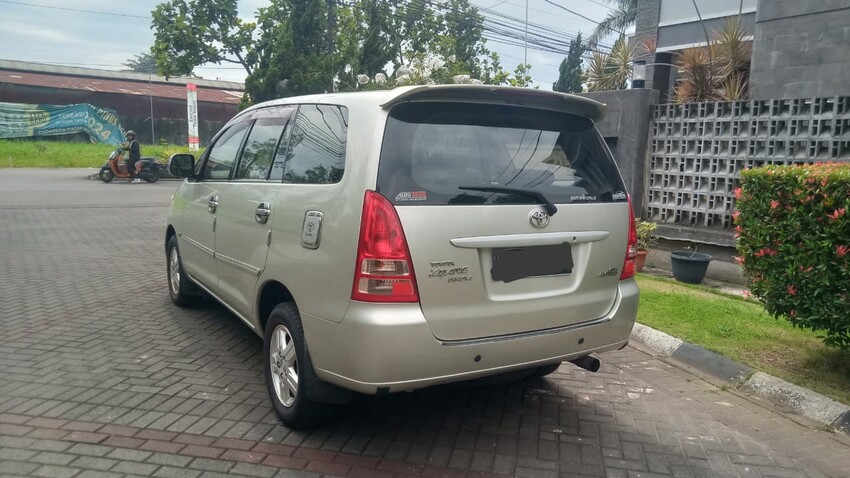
618 196
583 197
412 196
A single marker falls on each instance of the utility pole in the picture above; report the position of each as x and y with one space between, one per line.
526 33
331 26
329 41
150 85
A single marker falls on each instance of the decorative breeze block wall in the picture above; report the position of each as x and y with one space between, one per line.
697 151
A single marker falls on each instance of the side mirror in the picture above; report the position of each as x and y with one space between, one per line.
181 165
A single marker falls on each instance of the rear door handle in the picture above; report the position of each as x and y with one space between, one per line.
263 212
212 204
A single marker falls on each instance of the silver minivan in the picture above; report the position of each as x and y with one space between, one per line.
387 241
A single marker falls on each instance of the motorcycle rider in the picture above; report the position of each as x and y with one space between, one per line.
135 154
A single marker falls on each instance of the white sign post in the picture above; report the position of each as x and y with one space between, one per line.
192 105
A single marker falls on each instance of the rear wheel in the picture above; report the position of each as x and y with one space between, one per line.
181 289
152 175
106 175
288 369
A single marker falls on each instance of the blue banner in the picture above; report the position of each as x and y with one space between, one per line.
19 120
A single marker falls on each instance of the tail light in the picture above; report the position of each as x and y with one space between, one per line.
384 271
631 248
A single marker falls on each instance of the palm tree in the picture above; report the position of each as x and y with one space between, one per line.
622 16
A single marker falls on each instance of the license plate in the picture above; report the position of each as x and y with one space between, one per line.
514 263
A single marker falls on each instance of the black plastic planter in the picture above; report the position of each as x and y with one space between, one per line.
689 267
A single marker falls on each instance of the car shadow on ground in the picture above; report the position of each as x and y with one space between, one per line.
571 420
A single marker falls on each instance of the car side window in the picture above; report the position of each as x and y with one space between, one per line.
317 143
281 154
259 151
223 153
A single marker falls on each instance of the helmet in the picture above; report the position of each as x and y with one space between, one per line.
131 133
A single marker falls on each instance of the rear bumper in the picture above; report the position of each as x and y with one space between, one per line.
391 347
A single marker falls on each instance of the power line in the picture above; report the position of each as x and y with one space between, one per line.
504 29
78 10
578 14
609 7
508 33
493 6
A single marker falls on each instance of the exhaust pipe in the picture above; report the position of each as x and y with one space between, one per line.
591 364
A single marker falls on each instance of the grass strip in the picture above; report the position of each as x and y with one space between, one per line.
56 154
743 331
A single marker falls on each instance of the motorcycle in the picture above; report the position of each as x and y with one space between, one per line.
146 168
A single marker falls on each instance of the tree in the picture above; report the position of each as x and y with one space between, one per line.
310 46
622 16
142 63
190 33
463 41
291 52
570 76
719 71
611 71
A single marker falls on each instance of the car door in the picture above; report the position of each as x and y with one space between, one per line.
202 196
246 202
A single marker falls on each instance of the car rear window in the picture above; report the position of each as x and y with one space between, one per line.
431 150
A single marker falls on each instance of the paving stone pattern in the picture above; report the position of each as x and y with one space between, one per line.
101 376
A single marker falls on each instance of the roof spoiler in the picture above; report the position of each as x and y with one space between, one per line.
505 95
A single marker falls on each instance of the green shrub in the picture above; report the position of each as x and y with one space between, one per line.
646 238
793 224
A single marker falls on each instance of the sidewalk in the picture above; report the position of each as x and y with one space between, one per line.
788 397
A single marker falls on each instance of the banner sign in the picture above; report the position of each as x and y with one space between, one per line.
192 105
18 120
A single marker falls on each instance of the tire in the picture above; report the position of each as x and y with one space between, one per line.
181 289
545 370
288 370
106 175
152 175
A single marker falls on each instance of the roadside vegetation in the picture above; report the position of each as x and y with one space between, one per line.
55 154
742 330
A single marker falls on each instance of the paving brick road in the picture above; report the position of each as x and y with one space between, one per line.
101 376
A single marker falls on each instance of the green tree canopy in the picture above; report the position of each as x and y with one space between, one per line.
298 47
621 17
189 33
570 72
142 63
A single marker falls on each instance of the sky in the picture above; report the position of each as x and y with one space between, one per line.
31 32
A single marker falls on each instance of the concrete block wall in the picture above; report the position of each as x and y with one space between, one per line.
800 49
697 151
626 130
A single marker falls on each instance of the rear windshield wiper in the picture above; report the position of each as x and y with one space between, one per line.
550 208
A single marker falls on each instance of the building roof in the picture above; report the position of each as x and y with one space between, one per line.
121 82
114 74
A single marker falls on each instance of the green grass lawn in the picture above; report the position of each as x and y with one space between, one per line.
743 331
55 154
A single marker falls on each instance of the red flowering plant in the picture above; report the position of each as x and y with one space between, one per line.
793 229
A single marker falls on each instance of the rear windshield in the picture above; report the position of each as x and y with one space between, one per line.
440 153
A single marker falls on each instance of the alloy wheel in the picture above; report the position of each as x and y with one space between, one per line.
284 366
174 271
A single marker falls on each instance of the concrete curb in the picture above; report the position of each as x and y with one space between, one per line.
802 401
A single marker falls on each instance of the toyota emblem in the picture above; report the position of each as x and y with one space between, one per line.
538 219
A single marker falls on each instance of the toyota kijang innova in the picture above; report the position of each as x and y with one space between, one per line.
391 240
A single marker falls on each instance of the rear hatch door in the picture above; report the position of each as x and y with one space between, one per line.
475 186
